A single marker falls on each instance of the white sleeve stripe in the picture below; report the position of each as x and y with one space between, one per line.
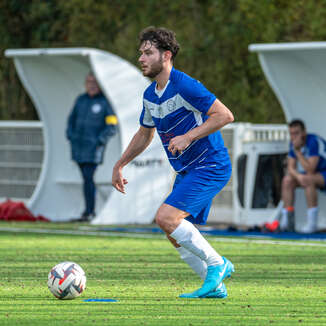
196 112
160 111
147 119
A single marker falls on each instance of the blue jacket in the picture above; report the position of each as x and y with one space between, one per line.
90 125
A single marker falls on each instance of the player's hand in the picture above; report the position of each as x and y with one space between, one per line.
297 143
179 144
118 182
304 180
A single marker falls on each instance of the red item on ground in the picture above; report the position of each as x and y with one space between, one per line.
272 227
17 211
290 208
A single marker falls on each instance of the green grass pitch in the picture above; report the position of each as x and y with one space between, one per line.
274 284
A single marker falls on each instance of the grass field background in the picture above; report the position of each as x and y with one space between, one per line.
274 284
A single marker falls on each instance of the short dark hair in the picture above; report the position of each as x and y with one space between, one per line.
297 123
162 38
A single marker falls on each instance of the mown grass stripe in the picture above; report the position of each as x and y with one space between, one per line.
313 243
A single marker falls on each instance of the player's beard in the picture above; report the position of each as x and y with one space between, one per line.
156 68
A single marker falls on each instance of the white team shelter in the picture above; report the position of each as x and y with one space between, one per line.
53 79
296 72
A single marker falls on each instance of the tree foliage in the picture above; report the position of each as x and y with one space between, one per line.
214 37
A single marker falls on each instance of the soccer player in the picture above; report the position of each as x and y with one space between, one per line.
306 168
187 118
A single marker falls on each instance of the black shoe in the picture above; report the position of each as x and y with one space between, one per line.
291 218
85 217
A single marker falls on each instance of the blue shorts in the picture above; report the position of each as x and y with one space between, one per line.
323 173
194 191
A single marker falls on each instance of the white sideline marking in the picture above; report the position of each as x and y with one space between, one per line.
160 236
76 232
274 242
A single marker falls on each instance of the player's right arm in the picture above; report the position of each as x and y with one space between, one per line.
292 167
137 145
71 121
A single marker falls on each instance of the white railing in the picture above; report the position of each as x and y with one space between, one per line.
21 156
265 133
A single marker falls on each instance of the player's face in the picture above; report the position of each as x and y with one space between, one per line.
150 60
297 136
91 86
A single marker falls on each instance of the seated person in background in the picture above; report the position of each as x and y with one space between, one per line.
306 168
91 124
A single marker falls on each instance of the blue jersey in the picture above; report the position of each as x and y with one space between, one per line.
315 146
180 107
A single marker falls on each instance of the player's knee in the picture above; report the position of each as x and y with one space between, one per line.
287 182
310 183
168 218
164 219
161 219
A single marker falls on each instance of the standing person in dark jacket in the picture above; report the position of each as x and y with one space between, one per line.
90 125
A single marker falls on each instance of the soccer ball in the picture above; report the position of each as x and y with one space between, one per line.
67 280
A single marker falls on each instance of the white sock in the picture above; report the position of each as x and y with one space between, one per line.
195 263
312 215
284 222
188 236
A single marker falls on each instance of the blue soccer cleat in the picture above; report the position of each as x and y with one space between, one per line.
215 275
219 293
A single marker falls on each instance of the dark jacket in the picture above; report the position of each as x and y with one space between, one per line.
90 125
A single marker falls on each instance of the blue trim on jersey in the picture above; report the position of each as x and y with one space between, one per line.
314 146
182 107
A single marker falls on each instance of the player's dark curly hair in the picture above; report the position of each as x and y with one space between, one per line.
162 38
297 123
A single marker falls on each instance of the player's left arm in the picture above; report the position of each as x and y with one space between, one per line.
218 116
110 126
309 164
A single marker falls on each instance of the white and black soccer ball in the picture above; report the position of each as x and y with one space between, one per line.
67 280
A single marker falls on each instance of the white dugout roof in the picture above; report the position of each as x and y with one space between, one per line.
297 74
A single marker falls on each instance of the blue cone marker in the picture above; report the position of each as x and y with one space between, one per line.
100 300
